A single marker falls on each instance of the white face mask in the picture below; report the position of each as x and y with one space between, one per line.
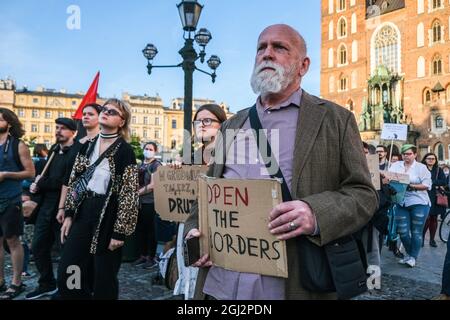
446 172
149 154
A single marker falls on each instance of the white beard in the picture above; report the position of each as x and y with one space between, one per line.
271 81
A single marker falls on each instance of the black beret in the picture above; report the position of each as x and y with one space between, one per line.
69 123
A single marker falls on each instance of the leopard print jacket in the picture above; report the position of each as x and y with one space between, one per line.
124 184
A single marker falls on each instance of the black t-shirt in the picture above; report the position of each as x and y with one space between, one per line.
58 173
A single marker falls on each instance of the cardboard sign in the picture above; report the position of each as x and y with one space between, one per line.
399 177
396 132
233 217
374 169
175 191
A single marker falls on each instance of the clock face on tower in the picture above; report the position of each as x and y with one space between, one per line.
376 8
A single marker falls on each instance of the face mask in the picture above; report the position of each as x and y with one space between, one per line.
149 154
446 172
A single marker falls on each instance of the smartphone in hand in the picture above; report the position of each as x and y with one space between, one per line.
191 251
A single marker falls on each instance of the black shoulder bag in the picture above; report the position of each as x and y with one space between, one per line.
336 267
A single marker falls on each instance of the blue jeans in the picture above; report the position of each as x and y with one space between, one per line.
410 224
446 272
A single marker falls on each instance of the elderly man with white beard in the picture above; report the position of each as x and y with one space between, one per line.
327 191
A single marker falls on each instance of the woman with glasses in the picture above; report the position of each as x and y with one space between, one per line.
101 209
413 211
439 182
207 122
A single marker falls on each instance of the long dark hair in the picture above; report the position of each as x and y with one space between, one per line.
10 117
424 160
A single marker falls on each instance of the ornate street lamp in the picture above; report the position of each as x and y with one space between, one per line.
190 11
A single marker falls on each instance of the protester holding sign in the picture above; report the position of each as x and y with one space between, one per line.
317 136
439 182
207 121
413 211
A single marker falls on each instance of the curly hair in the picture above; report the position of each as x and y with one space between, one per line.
16 129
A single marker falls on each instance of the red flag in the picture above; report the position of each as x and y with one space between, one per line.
90 97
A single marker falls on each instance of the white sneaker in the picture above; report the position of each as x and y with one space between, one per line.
411 262
404 260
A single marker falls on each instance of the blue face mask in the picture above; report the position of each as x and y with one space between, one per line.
149 154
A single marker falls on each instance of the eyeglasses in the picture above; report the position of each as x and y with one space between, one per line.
206 122
434 159
111 112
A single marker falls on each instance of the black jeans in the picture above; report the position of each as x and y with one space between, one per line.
98 273
46 231
145 230
446 272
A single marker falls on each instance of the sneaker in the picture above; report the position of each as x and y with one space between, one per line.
27 275
403 261
433 244
411 262
398 254
40 292
150 264
139 262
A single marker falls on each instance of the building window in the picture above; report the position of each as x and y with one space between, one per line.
133 132
60 114
48 114
350 105
341 5
437 31
74 103
35 100
34 128
439 150
21 113
437 65
157 121
174 124
157 134
342 27
427 96
173 145
342 55
133 120
421 67
331 31
47 129
387 49
330 58
343 84
145 120
437 4
145 133
35 113
439 122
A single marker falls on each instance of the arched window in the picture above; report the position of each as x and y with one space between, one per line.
437 31
439 150
354 51
354 23
331 31
342 54
437 65
343 83
330 58
420 35
350 105
426 96
342 27
421 67
387 48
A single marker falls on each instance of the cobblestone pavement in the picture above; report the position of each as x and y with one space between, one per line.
398 282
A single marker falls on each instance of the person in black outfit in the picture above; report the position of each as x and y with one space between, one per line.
49 187
439 182
101 209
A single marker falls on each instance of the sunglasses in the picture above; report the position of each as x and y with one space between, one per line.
431 159
111 112
206 122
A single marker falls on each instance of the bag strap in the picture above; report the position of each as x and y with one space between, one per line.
256 125
105 153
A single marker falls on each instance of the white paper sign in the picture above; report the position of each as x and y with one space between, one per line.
393 131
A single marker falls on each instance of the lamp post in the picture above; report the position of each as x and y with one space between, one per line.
189 11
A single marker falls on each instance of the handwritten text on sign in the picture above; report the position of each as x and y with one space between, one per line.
234 218
175 191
